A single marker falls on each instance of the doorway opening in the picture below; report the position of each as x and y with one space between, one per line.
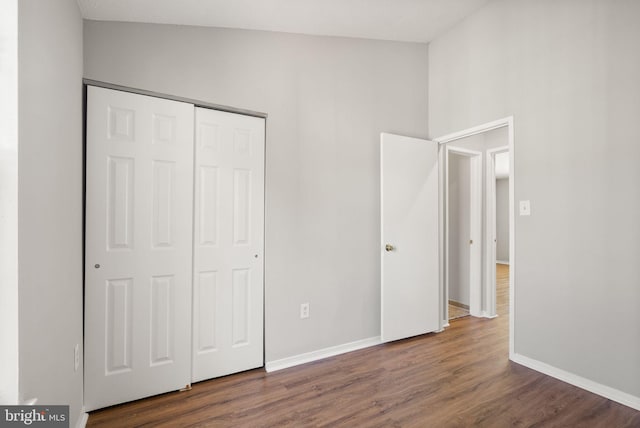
463 232
498 223
477 213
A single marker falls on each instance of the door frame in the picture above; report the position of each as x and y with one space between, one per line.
485 127
491 228
475 229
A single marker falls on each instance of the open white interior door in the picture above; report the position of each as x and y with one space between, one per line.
410 298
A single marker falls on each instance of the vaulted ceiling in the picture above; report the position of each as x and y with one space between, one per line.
400 20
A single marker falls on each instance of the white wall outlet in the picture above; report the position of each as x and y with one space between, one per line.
304 310
525 208
76 357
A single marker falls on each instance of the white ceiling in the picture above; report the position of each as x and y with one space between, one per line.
401 20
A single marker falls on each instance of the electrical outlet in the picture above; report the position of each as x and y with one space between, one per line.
304 310
76 357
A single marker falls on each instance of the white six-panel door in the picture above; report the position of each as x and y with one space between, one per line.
228 244
138 246
410 300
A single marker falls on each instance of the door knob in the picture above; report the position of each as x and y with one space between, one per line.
389 247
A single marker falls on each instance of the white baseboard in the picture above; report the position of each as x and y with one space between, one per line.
575 380
502 262
485 314
82 420
308 357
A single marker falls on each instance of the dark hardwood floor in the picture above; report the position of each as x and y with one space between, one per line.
458 378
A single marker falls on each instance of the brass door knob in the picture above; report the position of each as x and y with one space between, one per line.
389 247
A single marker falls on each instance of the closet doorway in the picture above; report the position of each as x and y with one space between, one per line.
174 241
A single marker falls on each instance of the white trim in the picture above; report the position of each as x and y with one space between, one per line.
475 232
508 122
9 317
196 103
82 421
442 259
512 240
382 243
444 189
491 229
462 151
502 262
272 366
579 381
497 150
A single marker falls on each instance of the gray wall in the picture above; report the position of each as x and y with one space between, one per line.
50 201
502 220
459 221
568 72
327 99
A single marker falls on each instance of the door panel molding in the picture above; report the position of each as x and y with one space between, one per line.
228 263
143 308
138 243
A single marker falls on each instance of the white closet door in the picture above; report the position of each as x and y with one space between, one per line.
228 244
138 246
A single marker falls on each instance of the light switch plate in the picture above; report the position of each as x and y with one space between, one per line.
525 208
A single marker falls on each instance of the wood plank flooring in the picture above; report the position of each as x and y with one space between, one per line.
457 312
458 378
